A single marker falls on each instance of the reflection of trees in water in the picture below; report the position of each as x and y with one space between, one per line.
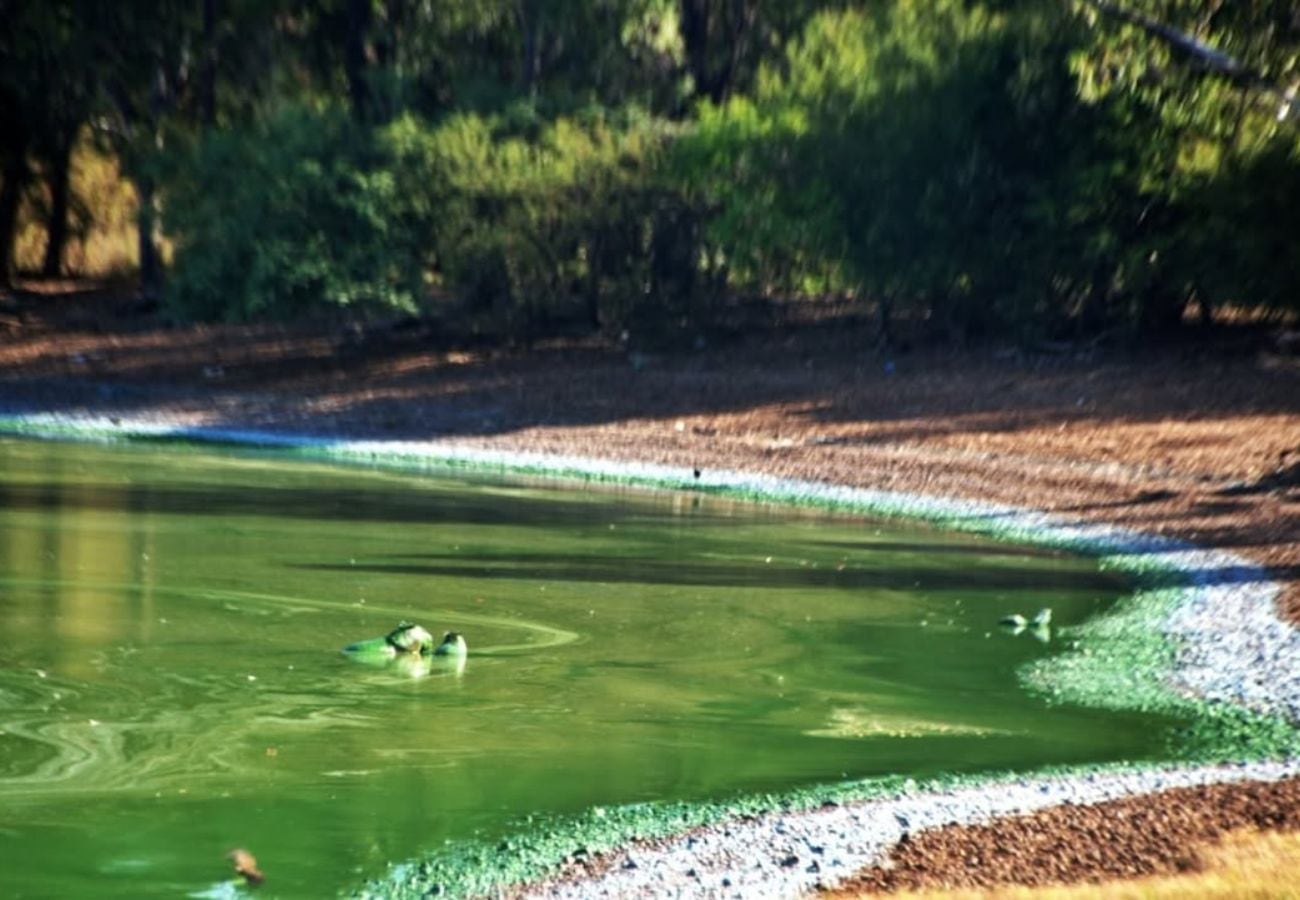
67 540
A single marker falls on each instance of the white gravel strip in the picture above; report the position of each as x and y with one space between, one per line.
791 854
1230 646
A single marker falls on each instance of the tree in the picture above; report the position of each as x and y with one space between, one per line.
23 60
1208 90
149 91
717 35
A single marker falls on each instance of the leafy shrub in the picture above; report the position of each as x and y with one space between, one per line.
1240 234
963 163
911 153
535 225
286 218
952 160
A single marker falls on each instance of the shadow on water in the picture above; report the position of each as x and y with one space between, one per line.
633 570
334 504
985 549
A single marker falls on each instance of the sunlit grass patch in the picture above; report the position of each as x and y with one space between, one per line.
102 236
1245 865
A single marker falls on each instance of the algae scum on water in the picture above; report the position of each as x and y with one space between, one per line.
171 684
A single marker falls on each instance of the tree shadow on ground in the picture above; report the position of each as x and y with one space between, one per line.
415 382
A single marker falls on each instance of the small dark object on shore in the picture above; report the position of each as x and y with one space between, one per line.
246 865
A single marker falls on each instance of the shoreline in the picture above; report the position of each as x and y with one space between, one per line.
786 854
1247 666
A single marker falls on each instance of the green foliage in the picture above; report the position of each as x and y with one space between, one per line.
1211 161
528 224
950 159
771 205
978 166
284 219
538 224
910 152
1239 231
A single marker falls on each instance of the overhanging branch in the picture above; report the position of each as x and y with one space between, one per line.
1204 55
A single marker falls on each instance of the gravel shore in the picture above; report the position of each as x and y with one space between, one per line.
791 855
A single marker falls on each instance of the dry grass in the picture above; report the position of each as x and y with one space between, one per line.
1246 865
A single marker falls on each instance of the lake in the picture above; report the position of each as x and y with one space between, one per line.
171 682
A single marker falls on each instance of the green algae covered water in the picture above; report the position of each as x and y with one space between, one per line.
171 684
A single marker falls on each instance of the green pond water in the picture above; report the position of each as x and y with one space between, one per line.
171 684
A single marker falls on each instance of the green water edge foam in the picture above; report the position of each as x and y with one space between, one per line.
1125 659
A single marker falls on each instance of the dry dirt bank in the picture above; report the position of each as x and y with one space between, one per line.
1132 838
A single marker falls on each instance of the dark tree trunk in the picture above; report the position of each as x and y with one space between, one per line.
151 274
884 323
56 229
208 76
1162 310
592 286
744 18
530 29
146 224
694 21
15 174
715 34
356 57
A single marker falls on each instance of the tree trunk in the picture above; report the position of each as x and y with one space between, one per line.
884 323
15 174
1162 310
591 287
744 16
151 274
56 229
694 22
715 34
530 29
208 76
356 57
146 225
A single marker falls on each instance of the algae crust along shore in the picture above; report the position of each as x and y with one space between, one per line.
1149 653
